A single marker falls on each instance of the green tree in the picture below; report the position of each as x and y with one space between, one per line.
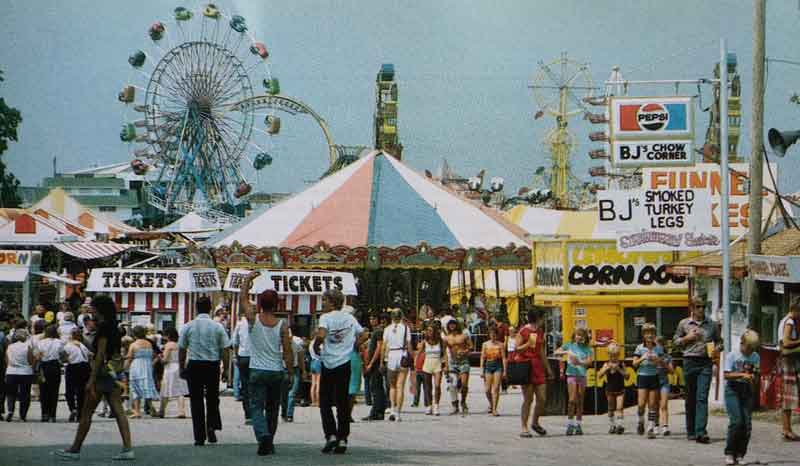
10 118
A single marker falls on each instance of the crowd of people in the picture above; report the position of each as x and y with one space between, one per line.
106 362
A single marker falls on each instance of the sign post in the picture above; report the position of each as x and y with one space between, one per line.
725 225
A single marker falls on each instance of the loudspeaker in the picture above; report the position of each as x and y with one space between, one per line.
780 141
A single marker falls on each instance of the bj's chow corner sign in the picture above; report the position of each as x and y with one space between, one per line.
153 280
651 131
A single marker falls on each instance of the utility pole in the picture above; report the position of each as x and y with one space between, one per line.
756 155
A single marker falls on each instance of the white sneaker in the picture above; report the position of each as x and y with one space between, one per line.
429 411
729 460
124 455
436 410
65 455
397 417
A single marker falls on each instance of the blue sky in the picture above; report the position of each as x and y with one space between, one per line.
463 67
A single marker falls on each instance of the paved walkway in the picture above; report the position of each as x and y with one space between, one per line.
418 440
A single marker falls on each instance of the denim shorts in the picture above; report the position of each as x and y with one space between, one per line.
647 382
492 367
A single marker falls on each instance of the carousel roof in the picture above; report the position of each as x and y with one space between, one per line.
376 202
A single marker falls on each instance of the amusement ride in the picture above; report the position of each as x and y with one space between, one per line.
561 89
200 112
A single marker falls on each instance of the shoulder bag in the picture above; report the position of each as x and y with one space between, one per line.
406 361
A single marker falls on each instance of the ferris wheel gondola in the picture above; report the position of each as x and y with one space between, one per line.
190 136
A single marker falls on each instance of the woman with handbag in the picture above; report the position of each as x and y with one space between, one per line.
396 344
104 381
530 352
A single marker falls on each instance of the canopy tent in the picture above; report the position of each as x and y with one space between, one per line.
193 223
374 213
61 204
537 221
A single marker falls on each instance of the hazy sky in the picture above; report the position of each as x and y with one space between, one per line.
463 67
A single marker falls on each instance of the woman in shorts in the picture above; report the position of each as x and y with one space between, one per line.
647 357
493 368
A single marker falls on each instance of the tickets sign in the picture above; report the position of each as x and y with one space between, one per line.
153 280
294 282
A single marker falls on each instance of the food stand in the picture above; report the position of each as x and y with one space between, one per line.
162 297
588 283
300 292
18 285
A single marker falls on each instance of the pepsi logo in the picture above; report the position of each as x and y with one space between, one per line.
652 117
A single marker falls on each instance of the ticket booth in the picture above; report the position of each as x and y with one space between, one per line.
162 297
300 292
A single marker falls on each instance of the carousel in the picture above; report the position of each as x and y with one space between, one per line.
401 234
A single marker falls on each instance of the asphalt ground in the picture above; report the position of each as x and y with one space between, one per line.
476 439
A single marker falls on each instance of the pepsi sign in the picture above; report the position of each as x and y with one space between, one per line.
658 117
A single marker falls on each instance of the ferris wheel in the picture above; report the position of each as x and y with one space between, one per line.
560 89
192 135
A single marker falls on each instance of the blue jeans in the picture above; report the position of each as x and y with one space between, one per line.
288 393
265 399
243 368
236 391
698 383
739 405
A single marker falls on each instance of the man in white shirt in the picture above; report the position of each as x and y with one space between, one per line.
241 347
201 344
396 350
340 333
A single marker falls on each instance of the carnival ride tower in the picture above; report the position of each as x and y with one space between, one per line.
385 126
560 88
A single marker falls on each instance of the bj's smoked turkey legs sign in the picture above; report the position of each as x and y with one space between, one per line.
677 209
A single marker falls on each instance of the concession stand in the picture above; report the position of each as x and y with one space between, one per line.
300 291
162 297
590 284
18 286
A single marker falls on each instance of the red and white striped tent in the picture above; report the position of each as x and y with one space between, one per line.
155 296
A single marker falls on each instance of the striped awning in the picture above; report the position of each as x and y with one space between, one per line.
91 249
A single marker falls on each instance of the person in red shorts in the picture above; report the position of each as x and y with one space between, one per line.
530 347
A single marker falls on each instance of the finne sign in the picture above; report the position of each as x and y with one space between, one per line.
654 131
